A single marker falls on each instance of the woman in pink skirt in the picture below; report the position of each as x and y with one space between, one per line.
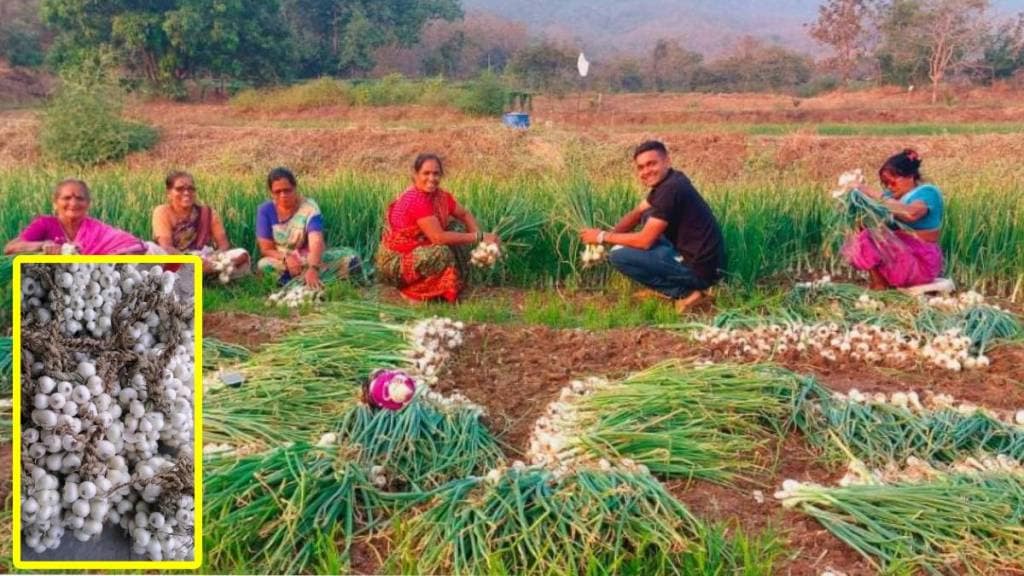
901 256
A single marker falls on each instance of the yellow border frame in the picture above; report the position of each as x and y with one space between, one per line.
197 398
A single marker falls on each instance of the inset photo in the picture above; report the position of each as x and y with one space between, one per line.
106 412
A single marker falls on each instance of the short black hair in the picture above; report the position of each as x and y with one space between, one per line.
427 157
648 146
280 173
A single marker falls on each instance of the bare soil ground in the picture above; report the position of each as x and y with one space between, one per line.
249 330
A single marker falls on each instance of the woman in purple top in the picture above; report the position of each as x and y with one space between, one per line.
70 230
290 235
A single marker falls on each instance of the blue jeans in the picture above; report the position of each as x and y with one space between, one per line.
657 268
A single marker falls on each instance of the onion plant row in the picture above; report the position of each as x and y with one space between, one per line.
768 226
299 386
291 507
961 524
684 421
878 434
591 522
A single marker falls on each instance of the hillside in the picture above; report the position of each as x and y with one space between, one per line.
604 26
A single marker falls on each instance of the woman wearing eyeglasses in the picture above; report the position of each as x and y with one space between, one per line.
290 233
183 226
907 253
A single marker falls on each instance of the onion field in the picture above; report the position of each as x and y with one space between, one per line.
772 228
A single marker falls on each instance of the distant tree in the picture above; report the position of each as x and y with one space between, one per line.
843 25
463 49
622 74
953 32
754 66
931 38
21 32
1003 53
342 36
673 67
166 41
545 66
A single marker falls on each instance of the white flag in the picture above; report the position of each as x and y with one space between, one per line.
582 65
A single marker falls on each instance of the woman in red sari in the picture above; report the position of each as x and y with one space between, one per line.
419 250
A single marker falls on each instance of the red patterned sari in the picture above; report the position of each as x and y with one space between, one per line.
406 258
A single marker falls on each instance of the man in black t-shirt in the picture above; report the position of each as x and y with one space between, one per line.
678 251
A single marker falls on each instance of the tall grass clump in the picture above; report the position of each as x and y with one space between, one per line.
317 93
83 123
392 90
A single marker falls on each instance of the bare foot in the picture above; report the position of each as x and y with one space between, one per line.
411 301
686 304
648 294
877 281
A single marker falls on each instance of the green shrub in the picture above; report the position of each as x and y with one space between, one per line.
83 125
485 96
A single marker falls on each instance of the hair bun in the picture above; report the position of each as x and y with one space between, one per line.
912 155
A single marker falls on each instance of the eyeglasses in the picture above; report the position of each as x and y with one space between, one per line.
283 192
184 188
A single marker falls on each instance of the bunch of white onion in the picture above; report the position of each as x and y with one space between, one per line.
87 433
593 254
432 342
791 491
819 283
451 402
830 342
295 295
951 350
916 470
68 249
550 444
485 255
88 294
928 402
224 265
866 302
847 181
160 524
957 303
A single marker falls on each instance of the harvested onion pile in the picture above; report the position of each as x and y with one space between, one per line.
295 295
485 255
107 394
833 343
433 340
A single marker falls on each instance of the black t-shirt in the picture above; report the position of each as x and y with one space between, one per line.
692 227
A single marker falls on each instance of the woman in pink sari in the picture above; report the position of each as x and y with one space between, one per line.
908 255
71 225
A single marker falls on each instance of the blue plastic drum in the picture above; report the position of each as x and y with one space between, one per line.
516 120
